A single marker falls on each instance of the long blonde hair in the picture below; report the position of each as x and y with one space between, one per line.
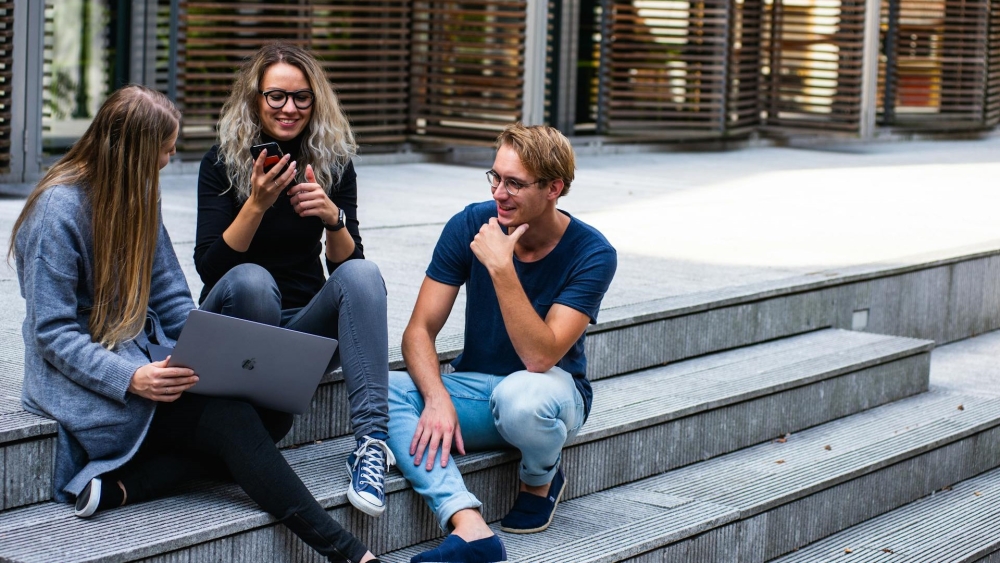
116 164
328 144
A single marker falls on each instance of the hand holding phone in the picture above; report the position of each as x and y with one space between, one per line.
268 181
274 153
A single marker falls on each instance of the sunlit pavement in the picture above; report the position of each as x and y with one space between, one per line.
682 222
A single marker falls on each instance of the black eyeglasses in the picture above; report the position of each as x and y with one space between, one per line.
512 186
278 98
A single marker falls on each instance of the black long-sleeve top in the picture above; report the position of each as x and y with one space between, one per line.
285 244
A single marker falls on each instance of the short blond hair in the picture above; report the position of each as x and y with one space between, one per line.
544 152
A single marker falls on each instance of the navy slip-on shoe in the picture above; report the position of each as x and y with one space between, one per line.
456 550
532 513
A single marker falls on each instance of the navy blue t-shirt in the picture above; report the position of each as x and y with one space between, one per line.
576 274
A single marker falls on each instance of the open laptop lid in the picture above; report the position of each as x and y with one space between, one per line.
266 365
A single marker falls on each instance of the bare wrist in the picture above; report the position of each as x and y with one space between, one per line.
437 398
254 205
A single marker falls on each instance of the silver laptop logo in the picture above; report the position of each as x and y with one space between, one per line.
249 364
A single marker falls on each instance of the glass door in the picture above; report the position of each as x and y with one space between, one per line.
84 60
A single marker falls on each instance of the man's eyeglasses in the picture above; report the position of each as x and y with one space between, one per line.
512 186
278 98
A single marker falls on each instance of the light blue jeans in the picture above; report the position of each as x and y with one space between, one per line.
536 413
351 307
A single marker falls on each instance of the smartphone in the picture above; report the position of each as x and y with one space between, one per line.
274 153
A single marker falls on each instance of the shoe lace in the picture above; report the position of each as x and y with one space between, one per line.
375 457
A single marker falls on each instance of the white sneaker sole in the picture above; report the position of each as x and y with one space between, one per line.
93 500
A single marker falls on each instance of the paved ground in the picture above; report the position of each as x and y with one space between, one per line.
683 223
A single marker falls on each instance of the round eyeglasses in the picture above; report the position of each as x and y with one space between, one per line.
278 98
510 185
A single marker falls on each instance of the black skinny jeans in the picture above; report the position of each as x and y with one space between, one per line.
198 437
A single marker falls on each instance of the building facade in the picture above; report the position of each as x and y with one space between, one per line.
414 74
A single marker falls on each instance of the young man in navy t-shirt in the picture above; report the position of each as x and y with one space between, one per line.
535 277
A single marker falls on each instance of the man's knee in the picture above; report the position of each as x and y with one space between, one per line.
528 394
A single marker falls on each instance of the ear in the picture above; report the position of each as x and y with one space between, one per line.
555 189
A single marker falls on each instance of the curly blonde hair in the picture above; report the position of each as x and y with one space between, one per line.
328 144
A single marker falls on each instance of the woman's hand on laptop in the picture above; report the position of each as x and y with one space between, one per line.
157 382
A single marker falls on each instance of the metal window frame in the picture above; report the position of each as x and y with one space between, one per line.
26 99
535 44
26 155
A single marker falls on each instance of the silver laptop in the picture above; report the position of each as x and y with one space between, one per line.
265 365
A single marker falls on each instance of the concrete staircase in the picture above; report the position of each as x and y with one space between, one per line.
957 524
731 426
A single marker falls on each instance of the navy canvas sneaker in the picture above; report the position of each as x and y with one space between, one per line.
532 513
367 466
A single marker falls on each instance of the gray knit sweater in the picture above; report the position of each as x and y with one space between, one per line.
67 376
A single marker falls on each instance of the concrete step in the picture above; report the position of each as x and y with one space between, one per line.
698 409
762 502
958 524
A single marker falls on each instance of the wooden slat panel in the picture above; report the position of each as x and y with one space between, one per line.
364 47
743 110
6 78
812 53
992 113
665 70
941 52
467 69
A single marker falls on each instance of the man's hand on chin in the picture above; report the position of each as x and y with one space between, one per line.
493 248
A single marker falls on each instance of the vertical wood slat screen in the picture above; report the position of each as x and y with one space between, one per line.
745 42
813 63
467 73
362 45
6 78
664 74
963 72
992 113
940 53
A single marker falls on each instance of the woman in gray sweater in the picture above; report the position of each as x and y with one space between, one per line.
101 282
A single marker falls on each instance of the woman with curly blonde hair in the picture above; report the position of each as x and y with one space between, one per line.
261 229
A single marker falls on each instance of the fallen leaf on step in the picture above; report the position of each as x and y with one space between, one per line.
848 550
948 488
961 408
827 448
887 550
781 440
780 461
978 494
